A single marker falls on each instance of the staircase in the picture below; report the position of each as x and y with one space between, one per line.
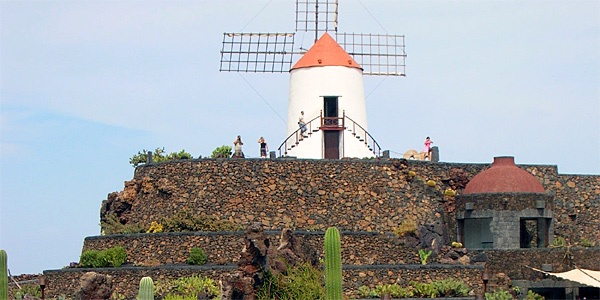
330 123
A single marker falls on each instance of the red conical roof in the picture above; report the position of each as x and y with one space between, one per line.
326 52
503 177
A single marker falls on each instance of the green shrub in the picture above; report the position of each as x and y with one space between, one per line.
366 292
186 288
31 290
586 243
558 242
92 259
499 295
157 156
394 290
424 290
221 152
115 256
300 282
531 295
197 257
451 288
178 155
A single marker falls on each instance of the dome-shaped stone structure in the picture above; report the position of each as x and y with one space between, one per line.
503 177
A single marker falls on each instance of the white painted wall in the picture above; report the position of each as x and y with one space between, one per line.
307 88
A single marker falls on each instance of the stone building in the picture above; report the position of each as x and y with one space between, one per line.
504 207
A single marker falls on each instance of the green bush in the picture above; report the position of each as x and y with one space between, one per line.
586 243
197 257
92 259
157 156
31 290
558 242
300 282
499 295
177 155
451 288
531 295
424 290
394 290
114 257
366 292
439 288
221 152
186 288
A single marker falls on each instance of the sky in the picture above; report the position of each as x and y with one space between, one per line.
85 85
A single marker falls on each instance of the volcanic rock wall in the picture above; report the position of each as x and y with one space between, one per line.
354 195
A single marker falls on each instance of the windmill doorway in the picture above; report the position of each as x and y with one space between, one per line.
331 125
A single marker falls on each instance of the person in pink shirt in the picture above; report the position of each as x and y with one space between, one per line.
427 149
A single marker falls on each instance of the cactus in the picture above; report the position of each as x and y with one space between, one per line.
146 289
333 264
3 275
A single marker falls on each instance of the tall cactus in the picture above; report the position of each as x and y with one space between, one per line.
146 289
333 264
3 276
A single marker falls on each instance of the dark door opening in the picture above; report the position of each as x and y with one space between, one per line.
332 144
331 133
533 232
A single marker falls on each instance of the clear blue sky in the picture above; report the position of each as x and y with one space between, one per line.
84 85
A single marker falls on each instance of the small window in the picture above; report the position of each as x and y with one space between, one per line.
533 232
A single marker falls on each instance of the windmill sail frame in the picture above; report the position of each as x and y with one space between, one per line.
257 52
318 16
377 54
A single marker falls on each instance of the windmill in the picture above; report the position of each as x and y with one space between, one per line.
325 82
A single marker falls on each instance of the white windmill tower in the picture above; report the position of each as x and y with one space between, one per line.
326 83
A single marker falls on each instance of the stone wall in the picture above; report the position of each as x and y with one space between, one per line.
126 280
511 262
358 248
357 195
